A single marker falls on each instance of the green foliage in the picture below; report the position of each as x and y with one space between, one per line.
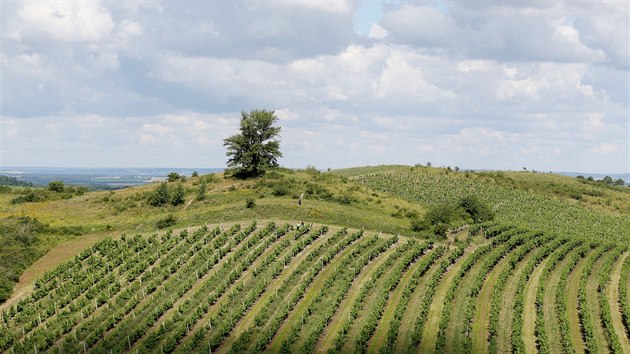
31 196
440 230
160 196
518 201
174 176
250 203
178 195
22 244
256 148
210 178
195 174
419 224
56 186
167 221
477 210
12 181
201 191
440 214
279 189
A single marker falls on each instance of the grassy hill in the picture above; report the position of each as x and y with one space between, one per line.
233 273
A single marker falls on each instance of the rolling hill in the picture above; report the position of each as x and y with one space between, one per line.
237 271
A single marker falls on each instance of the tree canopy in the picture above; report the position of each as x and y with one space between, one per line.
256 148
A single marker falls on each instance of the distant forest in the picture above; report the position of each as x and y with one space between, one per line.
12 181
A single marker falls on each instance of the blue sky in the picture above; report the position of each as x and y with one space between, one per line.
499 85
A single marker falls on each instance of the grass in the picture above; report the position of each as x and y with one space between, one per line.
613 296
343 198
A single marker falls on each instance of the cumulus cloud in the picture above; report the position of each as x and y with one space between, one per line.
76 21
492 85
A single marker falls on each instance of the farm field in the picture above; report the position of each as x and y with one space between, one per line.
258 285
269 287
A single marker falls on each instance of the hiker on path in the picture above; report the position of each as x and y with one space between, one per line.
300 200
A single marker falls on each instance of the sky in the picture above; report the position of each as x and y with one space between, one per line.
475 84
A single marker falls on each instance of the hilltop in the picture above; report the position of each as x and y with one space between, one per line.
358 275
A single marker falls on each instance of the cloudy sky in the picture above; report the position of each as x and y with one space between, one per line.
482 84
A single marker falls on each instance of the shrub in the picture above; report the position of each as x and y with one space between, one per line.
279 189
250 203
56 186
440 214
31 196
178 195
173 176
160 196
167 221
477 210
201 191
418 225
440 230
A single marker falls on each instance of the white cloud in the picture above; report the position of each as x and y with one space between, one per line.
333 6
605 148
285 114
377 31
494 85
400 81
76 21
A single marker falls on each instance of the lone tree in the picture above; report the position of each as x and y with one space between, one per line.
256 148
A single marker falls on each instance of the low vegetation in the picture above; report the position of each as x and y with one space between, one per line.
383 259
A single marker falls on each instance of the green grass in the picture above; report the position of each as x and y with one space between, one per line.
230 291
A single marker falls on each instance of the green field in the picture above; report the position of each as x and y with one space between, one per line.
550 274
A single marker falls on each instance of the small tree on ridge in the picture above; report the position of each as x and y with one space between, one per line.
256 148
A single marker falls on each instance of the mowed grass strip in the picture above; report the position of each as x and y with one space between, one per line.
97 298
613 293
605 278
248 320
371 309
276 309
290 328
573 309
330 333
485 320
134 324
592 333
387 332
224 316
524 313
418 293
184 317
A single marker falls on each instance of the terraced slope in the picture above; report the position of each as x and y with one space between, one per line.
270 288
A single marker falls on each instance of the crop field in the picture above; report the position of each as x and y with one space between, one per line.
267 287
516 206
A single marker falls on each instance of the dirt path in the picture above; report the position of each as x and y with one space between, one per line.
529 308
327 338
573 287
613 300
56 256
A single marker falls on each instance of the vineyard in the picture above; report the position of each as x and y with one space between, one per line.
272 287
